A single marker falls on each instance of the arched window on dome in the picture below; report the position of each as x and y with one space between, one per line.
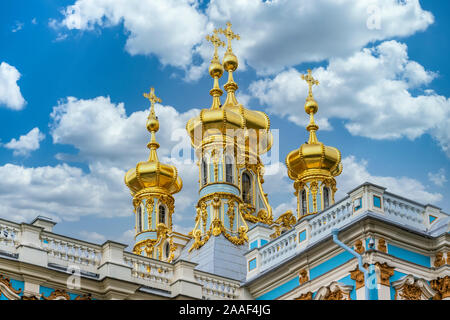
162 213
204 169
228 169
138 219
326 197
303 202
246 188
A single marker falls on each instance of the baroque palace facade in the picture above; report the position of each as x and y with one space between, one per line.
370 245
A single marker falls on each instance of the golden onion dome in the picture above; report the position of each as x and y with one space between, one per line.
313 158
153 175
231 115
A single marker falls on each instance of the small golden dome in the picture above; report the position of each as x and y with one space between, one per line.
230 62
215 69
153 175
313 158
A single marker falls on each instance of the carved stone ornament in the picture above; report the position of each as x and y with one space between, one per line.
57 295
410 288
358 276
7 290
335 291
382 245
386 272
303 276
359 246
305 296
442 288
439 260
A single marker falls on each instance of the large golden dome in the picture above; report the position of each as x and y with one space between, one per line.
153 175
231 115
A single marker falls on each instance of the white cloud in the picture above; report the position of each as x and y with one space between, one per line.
109 142
62 192
371 91
438 178
10 95
274 34
92 236
356 172
168 29
26 143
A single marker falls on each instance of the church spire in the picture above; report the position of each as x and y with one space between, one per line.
311 107
215 69
152 124
230 63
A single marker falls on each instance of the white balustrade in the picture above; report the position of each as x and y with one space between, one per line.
404 211
9 236
280 249
69 252
149 271
217 288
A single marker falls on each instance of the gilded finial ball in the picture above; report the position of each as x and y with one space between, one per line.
311 106
230 61
152 124
215 69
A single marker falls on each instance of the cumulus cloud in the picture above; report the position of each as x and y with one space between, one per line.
62 192
168 29
274 34
26 143
10 95
438 178
372 90
92 236
356 172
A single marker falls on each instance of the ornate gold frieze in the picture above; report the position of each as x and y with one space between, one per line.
57 295
7 283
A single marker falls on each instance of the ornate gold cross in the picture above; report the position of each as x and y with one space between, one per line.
310 80
229 34
215 40
153 99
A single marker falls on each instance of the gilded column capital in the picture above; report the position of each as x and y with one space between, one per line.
386 272
442 286
358 276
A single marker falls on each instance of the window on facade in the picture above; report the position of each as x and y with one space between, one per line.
377 202
228 170
139 219
326 197
246 188
167 249
357 204
204 172
303 202
162 214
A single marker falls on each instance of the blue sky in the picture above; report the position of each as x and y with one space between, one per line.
76 71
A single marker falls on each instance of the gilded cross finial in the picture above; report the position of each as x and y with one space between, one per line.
229 34
216 42
153 99
310 80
